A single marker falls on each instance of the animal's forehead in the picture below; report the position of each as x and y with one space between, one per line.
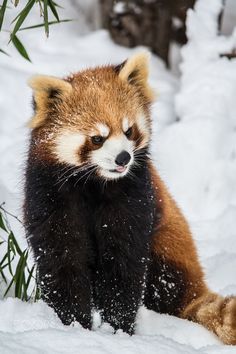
111 111
102 86
100 97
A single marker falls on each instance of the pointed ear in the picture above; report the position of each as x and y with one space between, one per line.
47 90
135 72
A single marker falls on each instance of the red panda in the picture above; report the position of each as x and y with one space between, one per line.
104 230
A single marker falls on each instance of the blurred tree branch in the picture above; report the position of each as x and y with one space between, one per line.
153 23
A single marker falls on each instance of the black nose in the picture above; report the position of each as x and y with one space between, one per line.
123 158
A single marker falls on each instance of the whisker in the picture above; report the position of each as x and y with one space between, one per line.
76 169
66 176
64 173
91 168
132 175
65 180
89 175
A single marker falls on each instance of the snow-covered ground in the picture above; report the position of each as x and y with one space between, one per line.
194 147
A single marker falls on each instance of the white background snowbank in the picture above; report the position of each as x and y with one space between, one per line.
195 155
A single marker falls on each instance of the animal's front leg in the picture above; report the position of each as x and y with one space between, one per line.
58 234
119 298
119 283
123 228
65 286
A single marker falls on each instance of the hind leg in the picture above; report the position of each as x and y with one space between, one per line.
175 285
175 291
175 281
166 287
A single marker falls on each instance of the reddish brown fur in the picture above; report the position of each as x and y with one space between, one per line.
89 102
174 243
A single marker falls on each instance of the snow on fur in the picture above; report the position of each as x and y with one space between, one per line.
195 155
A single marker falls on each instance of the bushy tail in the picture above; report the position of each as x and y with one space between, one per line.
216 313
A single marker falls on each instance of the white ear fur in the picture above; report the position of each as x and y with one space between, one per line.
46 83
46 88
138 62
135 72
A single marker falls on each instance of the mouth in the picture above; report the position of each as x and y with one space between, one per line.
119 169
118 172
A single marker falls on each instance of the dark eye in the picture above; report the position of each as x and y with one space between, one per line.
128 132
97 139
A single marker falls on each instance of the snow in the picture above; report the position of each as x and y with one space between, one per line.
119 7
193 146
27 327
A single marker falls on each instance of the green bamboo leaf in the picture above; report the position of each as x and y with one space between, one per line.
55 4
2 223
42 24
11 243
14 20
27 283
16 244
3 275
3 260
8 7
19 46
9 286
19 274
23 274
20 13
9 249
2 12
21 17
30 277
4 266
3 51
45 16
24 295
53 9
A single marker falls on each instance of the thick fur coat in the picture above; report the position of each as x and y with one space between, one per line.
104 230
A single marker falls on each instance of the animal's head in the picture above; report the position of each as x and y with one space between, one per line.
97 119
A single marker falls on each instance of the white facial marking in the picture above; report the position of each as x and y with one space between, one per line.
125 124
67 147
105 156
103 129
